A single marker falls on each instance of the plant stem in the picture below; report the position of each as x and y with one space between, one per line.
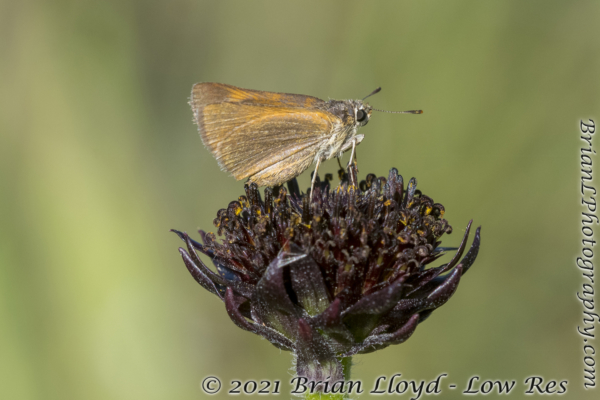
346 364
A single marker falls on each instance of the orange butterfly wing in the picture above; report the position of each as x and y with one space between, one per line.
211 93
269 137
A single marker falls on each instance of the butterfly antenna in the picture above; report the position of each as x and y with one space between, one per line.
391 112
373 92
401 112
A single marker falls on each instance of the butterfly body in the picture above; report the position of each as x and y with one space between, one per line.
271 137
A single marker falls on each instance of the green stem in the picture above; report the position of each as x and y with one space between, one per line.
346 364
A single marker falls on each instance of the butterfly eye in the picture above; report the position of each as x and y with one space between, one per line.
361 115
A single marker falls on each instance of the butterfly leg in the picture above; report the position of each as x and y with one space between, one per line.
352 153
356 140
352 145
351 170
314 178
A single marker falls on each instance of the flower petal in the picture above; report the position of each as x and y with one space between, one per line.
272 304
242 288
469 259
329 322
199 276
375 342
431 296
307 280
197 245
424 277
362 317
233 303
442 292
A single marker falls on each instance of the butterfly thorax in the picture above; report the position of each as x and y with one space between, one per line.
344 127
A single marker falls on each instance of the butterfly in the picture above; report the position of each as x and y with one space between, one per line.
270 138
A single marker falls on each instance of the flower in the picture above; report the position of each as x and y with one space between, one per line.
340 275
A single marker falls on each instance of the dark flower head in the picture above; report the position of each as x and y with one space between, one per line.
344 274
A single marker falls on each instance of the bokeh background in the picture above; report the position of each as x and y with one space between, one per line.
99 158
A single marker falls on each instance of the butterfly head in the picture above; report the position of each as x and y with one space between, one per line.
356 113
353 113
361 113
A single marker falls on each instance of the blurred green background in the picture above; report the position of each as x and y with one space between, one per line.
99 158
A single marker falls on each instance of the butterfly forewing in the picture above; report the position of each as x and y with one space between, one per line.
268 137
